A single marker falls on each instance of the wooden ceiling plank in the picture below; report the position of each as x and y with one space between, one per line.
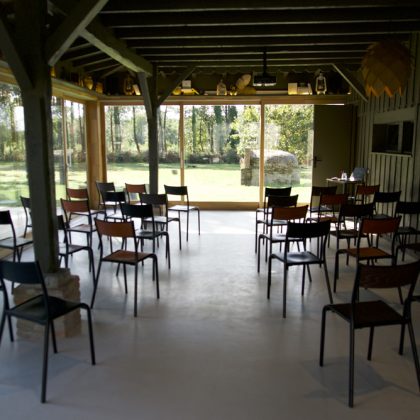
77 20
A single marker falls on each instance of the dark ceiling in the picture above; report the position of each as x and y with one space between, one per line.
230 36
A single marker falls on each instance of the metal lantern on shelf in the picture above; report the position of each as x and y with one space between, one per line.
386 67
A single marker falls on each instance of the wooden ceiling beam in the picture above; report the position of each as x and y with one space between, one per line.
178 6
287 41
272 31
13 56
78 18
260 17
103 39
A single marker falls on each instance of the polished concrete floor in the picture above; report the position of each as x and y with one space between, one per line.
212 347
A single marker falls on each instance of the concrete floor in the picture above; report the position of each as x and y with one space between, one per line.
213 346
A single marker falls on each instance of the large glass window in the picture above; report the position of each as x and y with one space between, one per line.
127 145
13 179
288 136
218 140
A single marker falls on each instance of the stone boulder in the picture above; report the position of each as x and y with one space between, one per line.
281 168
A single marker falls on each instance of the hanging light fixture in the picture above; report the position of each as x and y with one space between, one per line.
386 67
264 79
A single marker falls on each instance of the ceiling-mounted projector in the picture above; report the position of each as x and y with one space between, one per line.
264 79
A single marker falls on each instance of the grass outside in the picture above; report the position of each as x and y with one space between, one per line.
206 182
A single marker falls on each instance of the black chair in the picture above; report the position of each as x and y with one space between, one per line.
375 313
26 204
277 217
123 231
263 211
162 219
41 309
66 248
14 243
114 200
407 233
183 208
385 204
145 212
300 232
103 188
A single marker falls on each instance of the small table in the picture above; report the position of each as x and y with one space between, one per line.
348 185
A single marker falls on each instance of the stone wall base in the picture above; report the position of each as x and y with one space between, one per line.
61 284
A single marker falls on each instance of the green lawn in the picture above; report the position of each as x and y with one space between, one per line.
206 182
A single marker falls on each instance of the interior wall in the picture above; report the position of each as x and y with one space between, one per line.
393 172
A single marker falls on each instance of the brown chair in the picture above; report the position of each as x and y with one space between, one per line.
261 214
365 193
123 231
375 313
81 208
370 230
278 215
186 208
14 243
75 194
301 232
162 219
134 191
41 309
314 206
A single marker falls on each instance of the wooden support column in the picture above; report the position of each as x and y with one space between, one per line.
30 42
181 143
262 146
148 90
96 152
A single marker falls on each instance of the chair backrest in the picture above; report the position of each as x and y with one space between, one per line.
116 197
137 211
115 229
333 200
307 230
277 191
387 201
26 203
72 206
282 201
6 219
181 190
316 193
62 226
364 192
379 226
104 187
134 190
357 211
407 207
158 201
77 193
290 213
23 273
385 277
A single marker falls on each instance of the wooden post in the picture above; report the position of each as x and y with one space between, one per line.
262 145
30 41
181 143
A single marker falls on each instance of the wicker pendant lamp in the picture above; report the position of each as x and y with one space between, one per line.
386 67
